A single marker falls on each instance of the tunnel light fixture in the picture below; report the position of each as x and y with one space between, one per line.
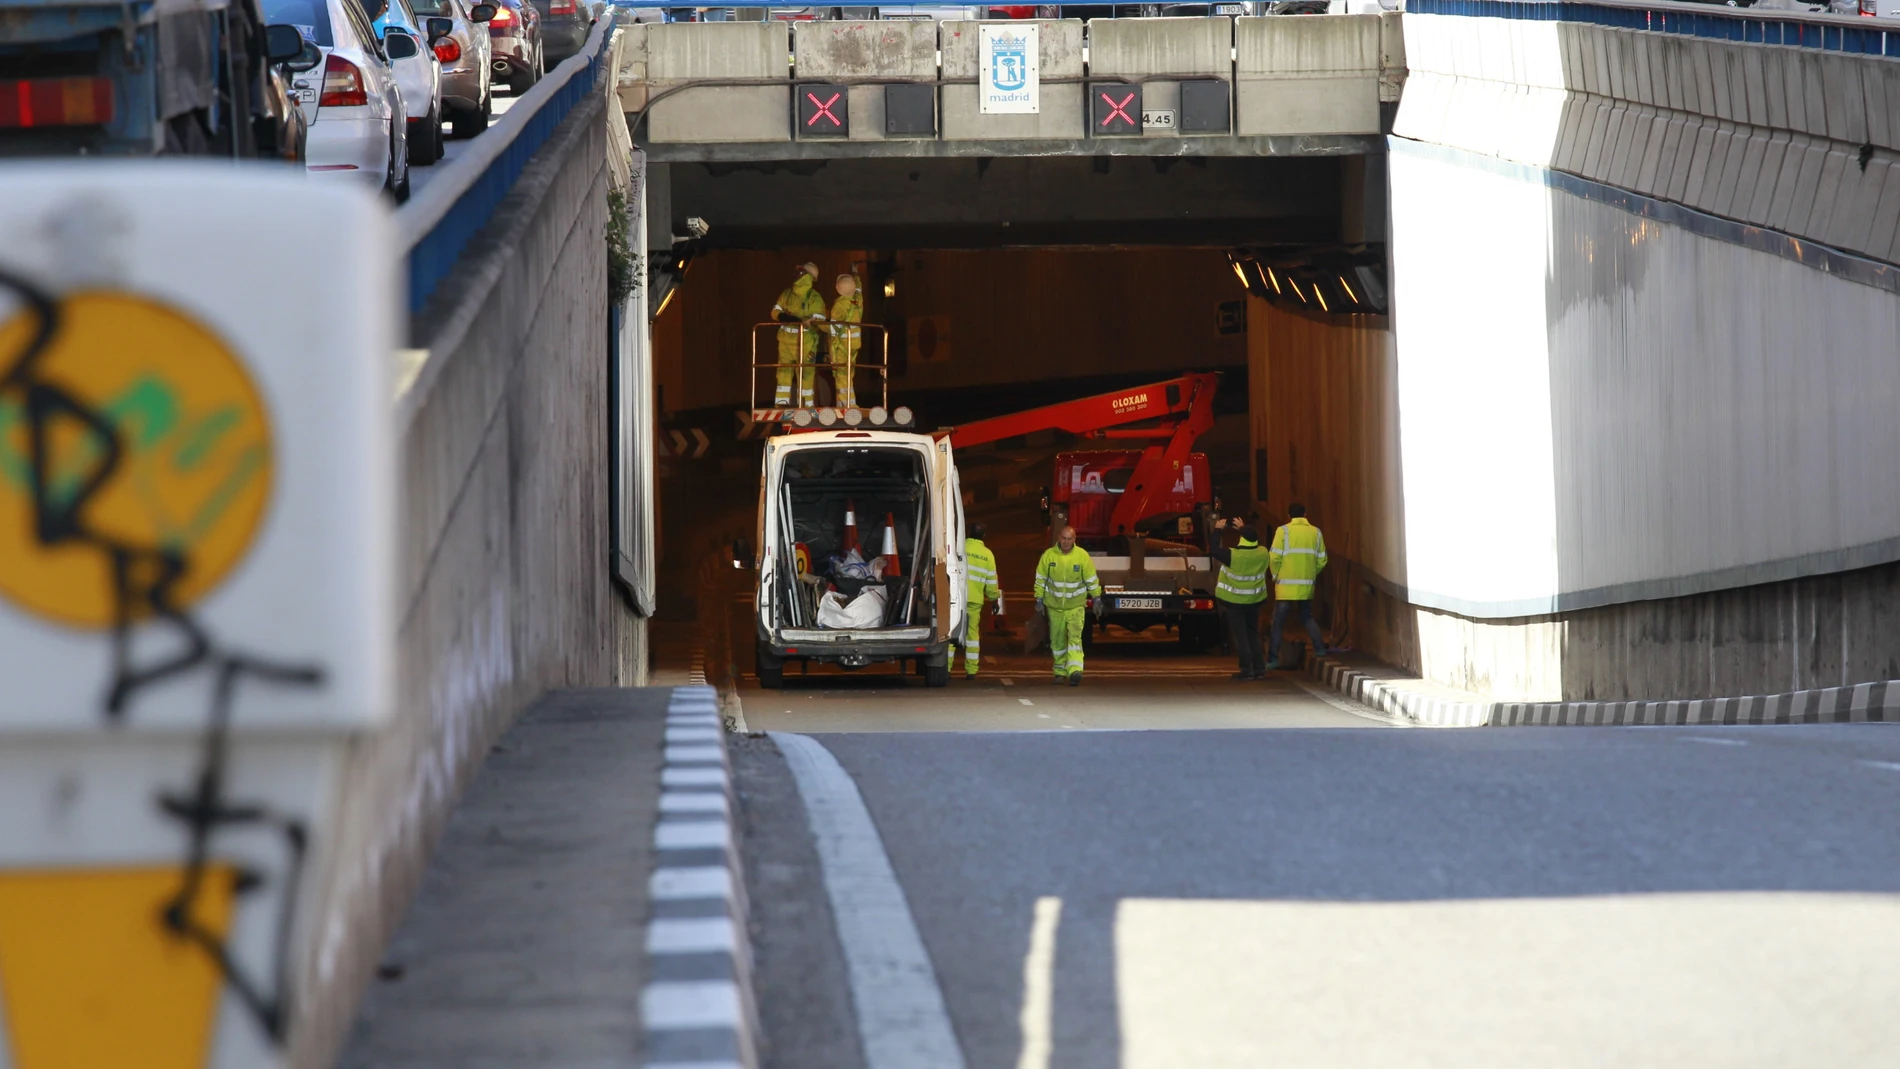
1273 280
1347 286
1320 295
1297 291
828 417
853 416
902 415
1240 273
879 417
890 287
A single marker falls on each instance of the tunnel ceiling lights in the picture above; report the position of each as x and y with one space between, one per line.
1320 282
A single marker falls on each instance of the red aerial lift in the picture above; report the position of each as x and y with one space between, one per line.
1183 406
1121 501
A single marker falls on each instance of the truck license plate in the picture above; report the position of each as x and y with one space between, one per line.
1137 603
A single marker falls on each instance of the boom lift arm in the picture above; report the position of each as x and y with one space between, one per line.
1183 407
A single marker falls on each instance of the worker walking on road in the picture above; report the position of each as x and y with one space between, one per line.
846 339
800 303
1241 588
1297 555
1065 581
981 577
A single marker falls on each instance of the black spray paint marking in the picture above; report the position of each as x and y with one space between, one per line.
143 581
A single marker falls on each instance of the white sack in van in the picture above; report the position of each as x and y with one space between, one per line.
865 610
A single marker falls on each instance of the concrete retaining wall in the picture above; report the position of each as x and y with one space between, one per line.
1796 139
505 548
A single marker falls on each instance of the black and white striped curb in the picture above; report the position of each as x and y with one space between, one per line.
697 1010
1861 703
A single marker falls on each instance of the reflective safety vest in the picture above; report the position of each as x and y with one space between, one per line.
981 565
1298 554
1244 580
1066 580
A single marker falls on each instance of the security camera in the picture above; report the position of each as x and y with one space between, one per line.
697 227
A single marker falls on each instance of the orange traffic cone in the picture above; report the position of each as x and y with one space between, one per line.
850 525
891 567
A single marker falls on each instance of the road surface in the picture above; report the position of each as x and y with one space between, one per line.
1327 897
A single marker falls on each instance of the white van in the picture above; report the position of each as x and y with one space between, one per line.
900 597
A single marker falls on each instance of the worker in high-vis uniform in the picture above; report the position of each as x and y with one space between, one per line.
980 565
1240 588
1065 581
846 340
1296 555
800 303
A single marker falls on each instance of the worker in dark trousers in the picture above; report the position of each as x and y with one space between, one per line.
1297 556
1241 588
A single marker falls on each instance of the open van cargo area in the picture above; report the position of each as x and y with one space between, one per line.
888 492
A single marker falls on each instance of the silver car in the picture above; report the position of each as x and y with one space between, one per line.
458 32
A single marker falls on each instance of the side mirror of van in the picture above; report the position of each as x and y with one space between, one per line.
741 553
481 12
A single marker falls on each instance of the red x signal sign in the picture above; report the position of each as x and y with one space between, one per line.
823 111
1115 109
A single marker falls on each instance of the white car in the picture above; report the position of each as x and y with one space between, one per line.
358 128
419 76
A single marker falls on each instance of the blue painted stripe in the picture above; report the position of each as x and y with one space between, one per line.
435 255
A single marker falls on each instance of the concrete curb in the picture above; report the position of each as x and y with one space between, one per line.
1860 703
698 1009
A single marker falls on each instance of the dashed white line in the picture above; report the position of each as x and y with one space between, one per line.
1710 741
1890 766
1025 701
1039 981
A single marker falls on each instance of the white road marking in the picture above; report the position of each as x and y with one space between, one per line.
902 1022
1891 766
690 1004
1714 741
1042 716
1039 981
688 882
1008 682
1364 712
691 935
1025 701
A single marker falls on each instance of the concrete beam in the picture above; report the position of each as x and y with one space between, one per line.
1206 146
682 52
1061 116
1142 48
834 51
1310 75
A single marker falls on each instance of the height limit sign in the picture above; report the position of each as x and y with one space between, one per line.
1010 69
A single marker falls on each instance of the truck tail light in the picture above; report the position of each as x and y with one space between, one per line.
55 102
342 84
447 51
560 7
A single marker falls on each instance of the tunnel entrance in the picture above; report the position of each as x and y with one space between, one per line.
997 286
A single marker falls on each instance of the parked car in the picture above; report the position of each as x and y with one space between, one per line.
458 35
279 127
358 129
516 34
564 25
419 76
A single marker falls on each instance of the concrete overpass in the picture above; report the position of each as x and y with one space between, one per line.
1618 426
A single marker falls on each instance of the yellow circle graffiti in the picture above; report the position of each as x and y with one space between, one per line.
192 479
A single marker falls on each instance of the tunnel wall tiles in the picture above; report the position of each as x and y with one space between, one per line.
503 544
1791 138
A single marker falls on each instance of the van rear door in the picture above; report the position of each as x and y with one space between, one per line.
949 491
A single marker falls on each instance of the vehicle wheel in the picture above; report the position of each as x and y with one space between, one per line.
469 123
399 188
770 669
937 675
422 143
441 139
520 81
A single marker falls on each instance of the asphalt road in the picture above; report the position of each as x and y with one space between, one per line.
1478 898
